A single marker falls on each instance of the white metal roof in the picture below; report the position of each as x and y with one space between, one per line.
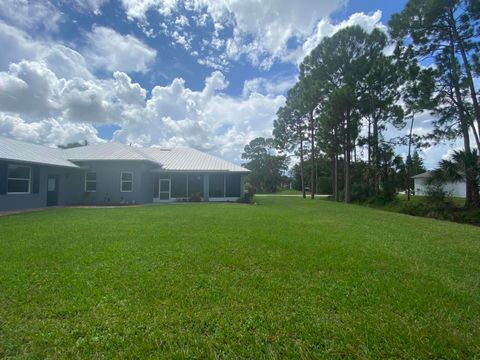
26 152
104 151
187 159
176 159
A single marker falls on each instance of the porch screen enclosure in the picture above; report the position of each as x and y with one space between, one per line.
185 185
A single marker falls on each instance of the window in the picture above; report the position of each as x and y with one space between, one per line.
51 184
126 181
90 182
19 179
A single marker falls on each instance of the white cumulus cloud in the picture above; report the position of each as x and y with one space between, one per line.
207 119
47 131
37 15
38 105
262 31
112 51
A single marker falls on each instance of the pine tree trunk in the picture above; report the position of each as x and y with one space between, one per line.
347 160
371 119
301 168
347 176
466 64
335 164
312 139
475 195
463 119
370 173
376 165
475 136
335 176
409 157
468 179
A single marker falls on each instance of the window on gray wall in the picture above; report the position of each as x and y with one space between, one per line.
126 181
90 182
216 186
19 179
232 185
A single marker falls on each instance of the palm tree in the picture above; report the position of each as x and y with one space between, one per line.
463 166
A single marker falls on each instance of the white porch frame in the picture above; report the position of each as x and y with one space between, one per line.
160 192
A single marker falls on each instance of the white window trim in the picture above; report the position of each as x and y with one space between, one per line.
90 181
23 179
125 181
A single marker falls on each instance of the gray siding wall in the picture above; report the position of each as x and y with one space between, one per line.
69 182
108 182
70 185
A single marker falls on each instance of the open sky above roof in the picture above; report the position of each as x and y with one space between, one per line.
205 74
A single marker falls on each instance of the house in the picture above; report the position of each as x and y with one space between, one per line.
34 176
457 189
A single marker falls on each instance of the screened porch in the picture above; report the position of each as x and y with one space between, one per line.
208 186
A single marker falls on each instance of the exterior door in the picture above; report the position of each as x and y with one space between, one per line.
164 187
52 190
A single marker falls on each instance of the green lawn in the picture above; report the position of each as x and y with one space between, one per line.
285 278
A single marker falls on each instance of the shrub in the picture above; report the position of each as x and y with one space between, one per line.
247 198
196 197
389 191
436 194
437 206
382 199
414 208
360 192
467 216
324 185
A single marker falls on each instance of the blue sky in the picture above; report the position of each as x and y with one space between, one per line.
202 73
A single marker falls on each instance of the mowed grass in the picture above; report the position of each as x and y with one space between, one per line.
285 278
